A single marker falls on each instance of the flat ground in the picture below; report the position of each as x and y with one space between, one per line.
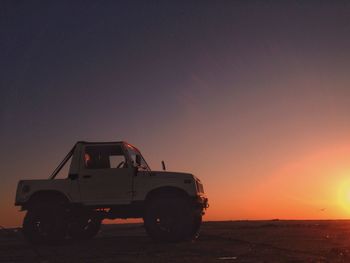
234 241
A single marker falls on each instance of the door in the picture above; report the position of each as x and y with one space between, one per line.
105 177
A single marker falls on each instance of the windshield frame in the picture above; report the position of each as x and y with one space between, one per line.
128 148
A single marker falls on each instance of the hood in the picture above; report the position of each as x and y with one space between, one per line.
172 174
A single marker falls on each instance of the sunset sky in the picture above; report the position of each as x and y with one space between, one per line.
253 98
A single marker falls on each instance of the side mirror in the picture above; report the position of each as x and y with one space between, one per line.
163 165
138 160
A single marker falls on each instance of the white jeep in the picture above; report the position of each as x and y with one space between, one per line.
110 180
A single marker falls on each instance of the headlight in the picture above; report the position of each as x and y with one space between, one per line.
200 187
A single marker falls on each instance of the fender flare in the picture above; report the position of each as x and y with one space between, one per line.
46 197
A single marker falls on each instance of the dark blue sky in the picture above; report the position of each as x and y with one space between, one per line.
65 62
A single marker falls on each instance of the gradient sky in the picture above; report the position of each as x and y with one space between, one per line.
253 98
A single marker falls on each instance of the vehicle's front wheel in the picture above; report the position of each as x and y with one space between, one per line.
170 219
197 221
44 225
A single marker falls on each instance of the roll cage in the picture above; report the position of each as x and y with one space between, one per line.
124 145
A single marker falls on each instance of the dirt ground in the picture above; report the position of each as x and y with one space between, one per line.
234 241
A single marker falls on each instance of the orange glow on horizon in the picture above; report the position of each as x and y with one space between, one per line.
315 185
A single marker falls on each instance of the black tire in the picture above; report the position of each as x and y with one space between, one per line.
197 221
45 225
169 219
83 228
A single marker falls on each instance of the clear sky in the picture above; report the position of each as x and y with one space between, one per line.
253 98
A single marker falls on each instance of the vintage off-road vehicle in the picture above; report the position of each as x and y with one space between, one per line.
110 180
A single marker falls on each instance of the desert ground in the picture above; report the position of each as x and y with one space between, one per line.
229 241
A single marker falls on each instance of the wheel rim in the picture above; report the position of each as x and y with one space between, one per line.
169 220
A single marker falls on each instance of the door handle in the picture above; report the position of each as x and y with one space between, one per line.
87 176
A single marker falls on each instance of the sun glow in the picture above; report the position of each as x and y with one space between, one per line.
344 196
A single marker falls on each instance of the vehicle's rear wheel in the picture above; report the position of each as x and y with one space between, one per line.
170 219
84 227
45 225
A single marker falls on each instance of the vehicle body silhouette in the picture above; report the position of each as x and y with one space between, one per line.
110 180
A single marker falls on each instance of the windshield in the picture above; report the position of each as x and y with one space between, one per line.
133 152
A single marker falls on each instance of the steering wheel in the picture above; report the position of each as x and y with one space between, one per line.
121 164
